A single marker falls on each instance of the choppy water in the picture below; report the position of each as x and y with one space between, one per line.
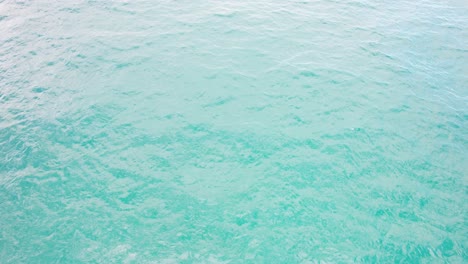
233 131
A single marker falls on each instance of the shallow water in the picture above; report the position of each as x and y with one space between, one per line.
233 131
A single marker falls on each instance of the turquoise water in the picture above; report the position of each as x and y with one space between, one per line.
233 131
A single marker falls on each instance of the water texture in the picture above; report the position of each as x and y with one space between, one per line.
190 131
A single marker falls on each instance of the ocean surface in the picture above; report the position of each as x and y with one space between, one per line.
190 131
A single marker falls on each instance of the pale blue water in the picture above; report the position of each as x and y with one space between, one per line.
233 131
